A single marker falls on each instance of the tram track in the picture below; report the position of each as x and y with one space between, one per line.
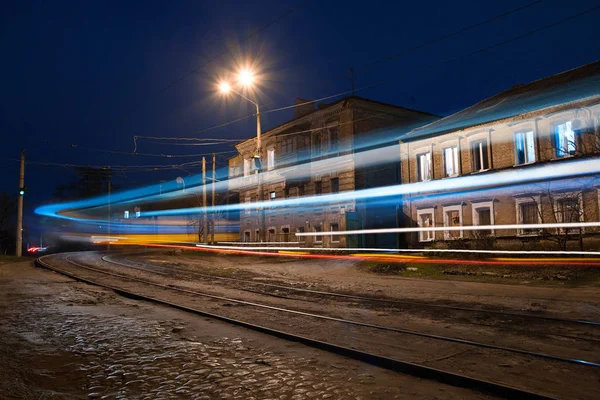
388 362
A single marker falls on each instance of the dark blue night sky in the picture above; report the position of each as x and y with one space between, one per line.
87 72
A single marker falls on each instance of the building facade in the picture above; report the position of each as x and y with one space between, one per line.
315 154
529 130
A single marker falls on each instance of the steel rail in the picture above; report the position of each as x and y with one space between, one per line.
395 365
345 321
374 299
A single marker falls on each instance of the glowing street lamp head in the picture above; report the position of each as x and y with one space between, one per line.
246 77
224 87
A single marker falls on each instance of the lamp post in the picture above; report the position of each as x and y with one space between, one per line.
246 79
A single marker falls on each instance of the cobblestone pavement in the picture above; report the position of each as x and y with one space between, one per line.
115 348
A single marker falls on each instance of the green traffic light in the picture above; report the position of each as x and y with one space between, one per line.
21 192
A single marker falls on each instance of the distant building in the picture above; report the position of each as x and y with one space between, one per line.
316 154
550 122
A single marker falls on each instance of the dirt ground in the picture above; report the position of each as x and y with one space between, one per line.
529 294
65 340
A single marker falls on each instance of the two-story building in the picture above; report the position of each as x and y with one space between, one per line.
536 127
315 154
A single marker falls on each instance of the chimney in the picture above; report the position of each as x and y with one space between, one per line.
301 111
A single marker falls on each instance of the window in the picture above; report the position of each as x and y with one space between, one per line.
272 195
524 148
318 187
335 185
568 209
286 233
453 218
334 227
426 219
301 239
451 161
257 235
248 200
286 144
247 166
318 238
246 236
317 145
483 216
564 140
270 159
424 167
528 215
334 140
272 237
479 155
126 214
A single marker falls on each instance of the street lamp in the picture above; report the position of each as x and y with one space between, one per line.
246 80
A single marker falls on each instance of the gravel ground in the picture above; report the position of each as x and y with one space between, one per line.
66 340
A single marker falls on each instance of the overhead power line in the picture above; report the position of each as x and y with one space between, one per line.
435 65
447 36
210 60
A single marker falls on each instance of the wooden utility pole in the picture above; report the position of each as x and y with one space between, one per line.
108 220
19 251
212 231
204 219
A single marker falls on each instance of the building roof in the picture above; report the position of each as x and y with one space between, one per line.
563 88
325 108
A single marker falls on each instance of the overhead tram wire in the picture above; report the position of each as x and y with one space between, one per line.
431 66
447 36
214 58
127 153
447 61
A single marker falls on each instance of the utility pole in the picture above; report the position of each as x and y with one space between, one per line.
212 231
204 220
108 221
19 251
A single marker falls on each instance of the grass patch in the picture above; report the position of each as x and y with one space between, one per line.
510 274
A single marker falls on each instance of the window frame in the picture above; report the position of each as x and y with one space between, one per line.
427 155
535 200
480 205
523 134
483 159
455 157
446 210
559 152
334 238
430 234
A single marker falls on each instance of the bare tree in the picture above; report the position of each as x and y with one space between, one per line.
8 210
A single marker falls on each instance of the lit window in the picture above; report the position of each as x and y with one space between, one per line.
126 214
479 155
564 140
270 159
272 195
451 161
247 200
524 147
424 167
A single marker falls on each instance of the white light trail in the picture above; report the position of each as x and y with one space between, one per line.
568 225
355 249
